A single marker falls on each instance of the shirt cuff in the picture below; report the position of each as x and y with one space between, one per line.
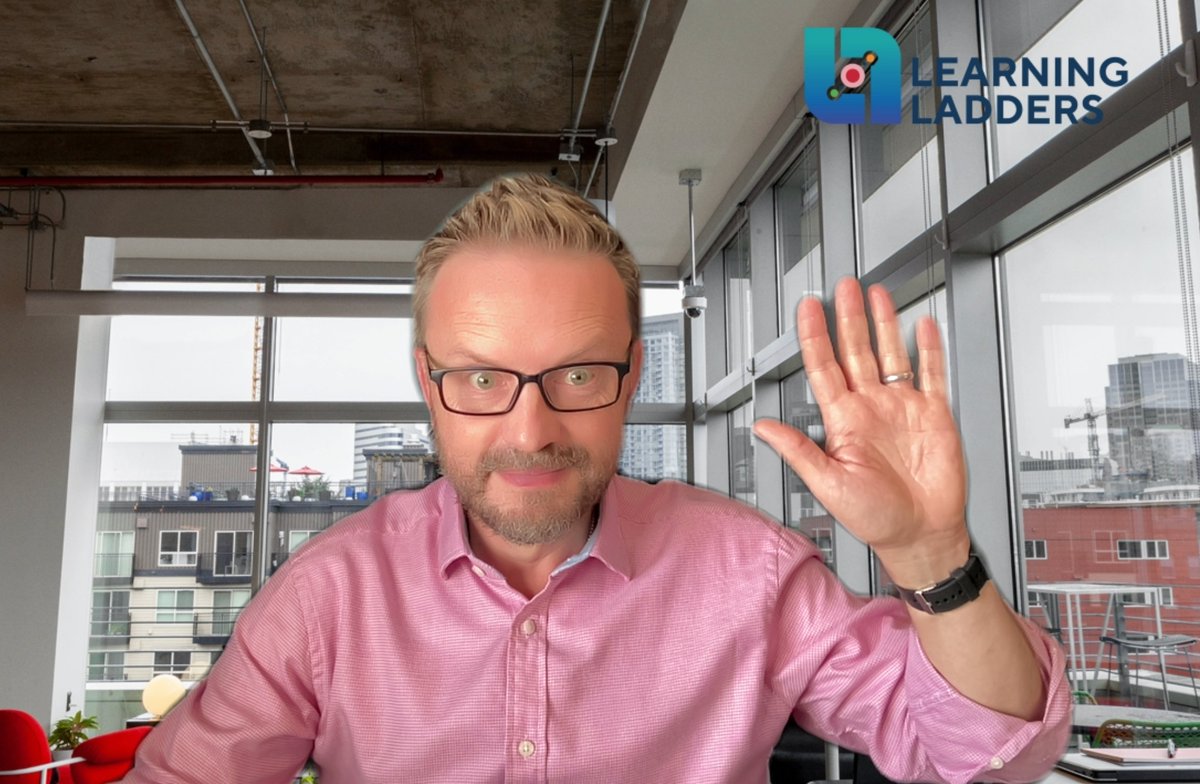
990 745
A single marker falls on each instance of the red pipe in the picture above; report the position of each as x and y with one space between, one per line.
251 181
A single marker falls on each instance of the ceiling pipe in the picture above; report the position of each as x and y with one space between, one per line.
220 125
205 181
587 79
216 75
262 53
612 110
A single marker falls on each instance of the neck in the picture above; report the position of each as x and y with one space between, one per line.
527 567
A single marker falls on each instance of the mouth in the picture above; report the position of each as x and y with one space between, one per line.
533 477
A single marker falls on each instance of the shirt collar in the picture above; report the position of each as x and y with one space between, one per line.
606 544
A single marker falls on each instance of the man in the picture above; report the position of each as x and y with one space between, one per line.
532 617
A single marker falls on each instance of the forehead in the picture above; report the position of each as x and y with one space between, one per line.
508 303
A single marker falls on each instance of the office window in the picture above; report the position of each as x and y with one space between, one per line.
741 454
352 359
177 548
181 357
898 164
175 606
1151 550
737 302
1104 395
114 554
106 666
172 662
1082 29
802 511
1035 549
798 226
110 614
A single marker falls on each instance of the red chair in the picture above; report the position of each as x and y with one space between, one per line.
24 751
106 758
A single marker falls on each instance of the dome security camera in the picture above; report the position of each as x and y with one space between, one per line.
694 301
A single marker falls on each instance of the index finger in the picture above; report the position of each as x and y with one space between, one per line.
931 359
824 373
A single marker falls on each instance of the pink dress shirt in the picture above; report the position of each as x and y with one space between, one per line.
671 649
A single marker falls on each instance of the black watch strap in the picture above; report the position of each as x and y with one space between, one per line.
962 586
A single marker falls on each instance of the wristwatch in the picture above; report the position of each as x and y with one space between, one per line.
962 586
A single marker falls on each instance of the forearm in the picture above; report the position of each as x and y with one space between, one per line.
979 648
981 651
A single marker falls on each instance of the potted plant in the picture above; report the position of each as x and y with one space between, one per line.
69 732
315 489
233 494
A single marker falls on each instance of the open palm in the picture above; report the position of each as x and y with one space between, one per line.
892 469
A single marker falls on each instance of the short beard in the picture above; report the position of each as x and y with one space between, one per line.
548 515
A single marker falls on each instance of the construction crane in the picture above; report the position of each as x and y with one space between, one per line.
256 367
1090 416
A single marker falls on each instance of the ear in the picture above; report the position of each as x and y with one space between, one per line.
421 369
635 374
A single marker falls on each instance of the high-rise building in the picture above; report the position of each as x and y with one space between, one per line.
658 451
1148 404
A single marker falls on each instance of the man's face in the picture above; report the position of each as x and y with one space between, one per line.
531 473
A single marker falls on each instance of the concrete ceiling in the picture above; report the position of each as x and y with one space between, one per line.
119 87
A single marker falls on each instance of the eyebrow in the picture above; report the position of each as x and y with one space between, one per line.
475 360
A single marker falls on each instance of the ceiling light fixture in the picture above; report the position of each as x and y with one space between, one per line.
606 136
569 151
260 129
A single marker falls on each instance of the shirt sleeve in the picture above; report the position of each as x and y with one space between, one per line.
254 718
856 674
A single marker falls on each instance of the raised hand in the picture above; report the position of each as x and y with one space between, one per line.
892 469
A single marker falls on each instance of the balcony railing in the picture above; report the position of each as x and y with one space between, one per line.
288 490
224 568
214 628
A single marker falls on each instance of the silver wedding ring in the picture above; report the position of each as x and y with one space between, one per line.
892 378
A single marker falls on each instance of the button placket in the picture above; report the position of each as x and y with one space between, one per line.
527 696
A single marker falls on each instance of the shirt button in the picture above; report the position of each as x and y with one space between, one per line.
529 627
526 748
996 763
477 569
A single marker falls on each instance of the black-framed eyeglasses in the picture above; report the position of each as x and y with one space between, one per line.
489 391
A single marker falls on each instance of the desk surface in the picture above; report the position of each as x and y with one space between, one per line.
1092 716
1062 777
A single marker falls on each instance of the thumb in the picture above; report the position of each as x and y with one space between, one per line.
797 450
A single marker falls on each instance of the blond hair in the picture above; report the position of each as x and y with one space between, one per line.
530 210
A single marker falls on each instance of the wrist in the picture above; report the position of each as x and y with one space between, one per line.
927 561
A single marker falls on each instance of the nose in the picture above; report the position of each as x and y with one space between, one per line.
532 425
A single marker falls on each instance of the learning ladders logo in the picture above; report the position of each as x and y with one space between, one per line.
838 95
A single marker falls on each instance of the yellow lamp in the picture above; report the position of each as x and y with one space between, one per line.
161 694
